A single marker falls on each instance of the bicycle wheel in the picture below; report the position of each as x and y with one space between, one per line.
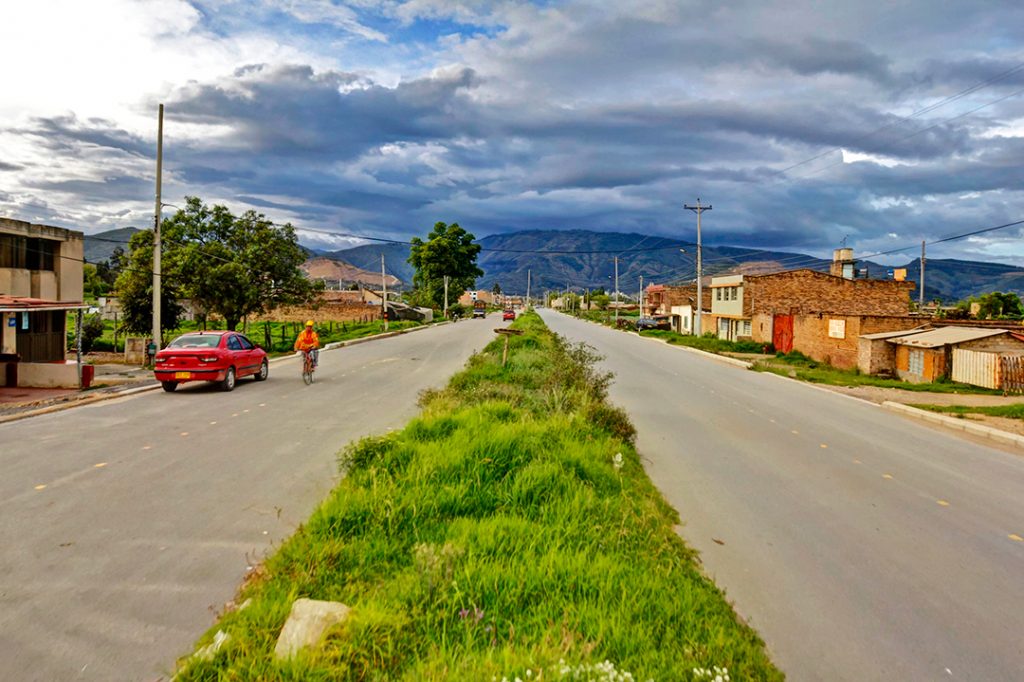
307 375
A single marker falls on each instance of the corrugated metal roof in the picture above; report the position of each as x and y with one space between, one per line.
947 336
892 335
12 304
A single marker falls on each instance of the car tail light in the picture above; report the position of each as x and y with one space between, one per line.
208 358
161 360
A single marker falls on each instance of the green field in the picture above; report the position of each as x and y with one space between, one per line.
1015 411
509 531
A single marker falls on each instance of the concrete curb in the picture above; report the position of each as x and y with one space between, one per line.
959 424
49 409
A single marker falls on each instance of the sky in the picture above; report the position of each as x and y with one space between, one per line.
805 124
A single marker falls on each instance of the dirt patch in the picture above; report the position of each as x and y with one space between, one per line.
878 394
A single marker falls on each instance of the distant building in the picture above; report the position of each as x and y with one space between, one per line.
40 280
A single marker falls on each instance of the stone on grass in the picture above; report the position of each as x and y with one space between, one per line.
207 652
306 624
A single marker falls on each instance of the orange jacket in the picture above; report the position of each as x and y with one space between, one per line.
307 340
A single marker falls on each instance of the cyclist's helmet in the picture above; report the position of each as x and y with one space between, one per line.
309 323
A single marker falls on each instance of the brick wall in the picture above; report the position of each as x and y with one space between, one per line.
811 335
808 291
336 312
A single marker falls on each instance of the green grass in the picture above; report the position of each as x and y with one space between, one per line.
799 366
493 536
1015 411
708 342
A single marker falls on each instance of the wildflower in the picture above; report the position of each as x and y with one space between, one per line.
617 461
463 613
478 614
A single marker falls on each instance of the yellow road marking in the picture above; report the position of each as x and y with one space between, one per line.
184 433
263 404
40 487
795 432
235 414
99 465
942 503
886 475
857 461
147 447
1015 537
823 445
245 411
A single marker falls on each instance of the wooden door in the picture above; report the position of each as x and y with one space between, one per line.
782 333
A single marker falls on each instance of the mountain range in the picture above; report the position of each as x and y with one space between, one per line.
583 259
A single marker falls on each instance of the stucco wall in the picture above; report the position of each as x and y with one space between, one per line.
48 375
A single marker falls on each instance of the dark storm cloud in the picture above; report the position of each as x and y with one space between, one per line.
67 134
10 166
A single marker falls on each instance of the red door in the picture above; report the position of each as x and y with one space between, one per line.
782 333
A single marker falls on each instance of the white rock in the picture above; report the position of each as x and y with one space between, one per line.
306 624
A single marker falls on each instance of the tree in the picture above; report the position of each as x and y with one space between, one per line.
449 251
496 289
230 266
135 288
92 284
601 300
997 305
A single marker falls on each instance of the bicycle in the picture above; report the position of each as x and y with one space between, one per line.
308 366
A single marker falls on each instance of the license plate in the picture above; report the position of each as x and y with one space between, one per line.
183 375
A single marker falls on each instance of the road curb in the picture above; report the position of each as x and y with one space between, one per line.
90 400
964 425
711 356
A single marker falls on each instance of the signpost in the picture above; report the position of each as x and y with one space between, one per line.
507 332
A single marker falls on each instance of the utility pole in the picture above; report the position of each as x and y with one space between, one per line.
384 296
157 336
698 209
616 292
920 301
528 272
640 298
446 297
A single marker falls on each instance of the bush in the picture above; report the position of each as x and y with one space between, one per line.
92 330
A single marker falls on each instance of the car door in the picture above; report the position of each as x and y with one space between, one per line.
236 354
249 354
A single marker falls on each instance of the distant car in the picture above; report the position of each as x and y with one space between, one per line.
218 356
652 323
508 315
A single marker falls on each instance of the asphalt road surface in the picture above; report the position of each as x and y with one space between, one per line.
861 544
126 525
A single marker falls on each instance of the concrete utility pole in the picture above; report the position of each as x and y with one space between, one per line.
698 209
528 272
446 297
384 296
616 291
157 336
640 298
920 301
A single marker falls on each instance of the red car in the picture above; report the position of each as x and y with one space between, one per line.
509 315
222 357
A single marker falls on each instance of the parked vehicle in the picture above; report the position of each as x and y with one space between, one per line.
479 309
508 315
216 356
652 323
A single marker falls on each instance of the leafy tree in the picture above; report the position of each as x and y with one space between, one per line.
92 329
997 305
230 266
449 250
496 289
135 288
601 300
109 269
92 284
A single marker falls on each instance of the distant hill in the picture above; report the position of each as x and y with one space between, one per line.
332 271
507 258
100 246
367 257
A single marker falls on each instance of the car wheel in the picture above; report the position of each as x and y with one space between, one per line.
169 386
264 371
228 384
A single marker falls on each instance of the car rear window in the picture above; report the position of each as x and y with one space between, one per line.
196 341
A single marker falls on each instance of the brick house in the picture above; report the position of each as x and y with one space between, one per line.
928 355
468 298
677 303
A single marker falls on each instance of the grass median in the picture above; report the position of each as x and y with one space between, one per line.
509 531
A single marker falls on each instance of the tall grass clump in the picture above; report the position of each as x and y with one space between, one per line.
508 531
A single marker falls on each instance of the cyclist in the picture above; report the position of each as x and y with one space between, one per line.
309 342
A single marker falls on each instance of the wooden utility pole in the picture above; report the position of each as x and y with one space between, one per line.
528 272
384 296
920 300
698 209
157 335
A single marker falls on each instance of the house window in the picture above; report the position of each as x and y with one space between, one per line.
746 328
718 294
27 253
916 362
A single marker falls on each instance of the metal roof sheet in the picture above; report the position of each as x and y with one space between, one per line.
947 336
893 335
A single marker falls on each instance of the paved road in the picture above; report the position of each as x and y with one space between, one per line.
154 506
860 544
